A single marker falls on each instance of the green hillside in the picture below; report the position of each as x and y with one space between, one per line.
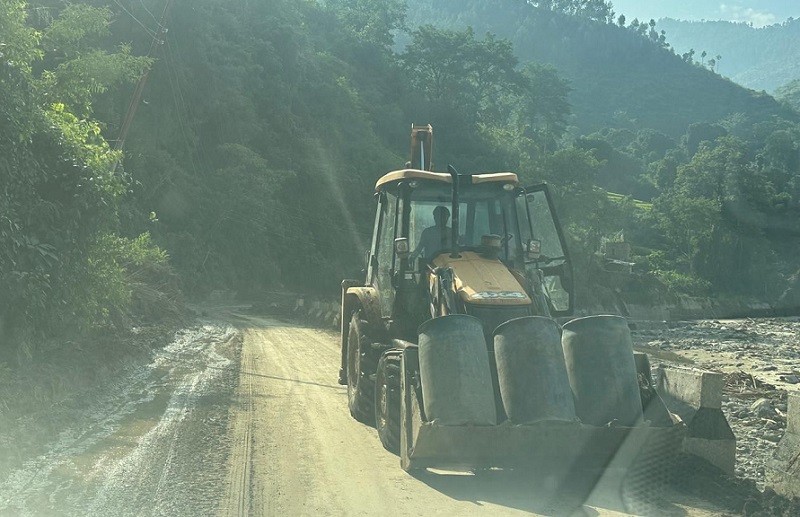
759 58
257 131
619 76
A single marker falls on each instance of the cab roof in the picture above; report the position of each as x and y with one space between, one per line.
443 177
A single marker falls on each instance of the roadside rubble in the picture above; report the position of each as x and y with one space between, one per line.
761 362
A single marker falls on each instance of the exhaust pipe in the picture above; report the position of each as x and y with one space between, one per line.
454 238
421 147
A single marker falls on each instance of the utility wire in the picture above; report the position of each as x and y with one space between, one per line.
150 13
137 94
150 31
176 57
178 109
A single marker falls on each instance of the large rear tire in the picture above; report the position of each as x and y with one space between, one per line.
387 400
360 367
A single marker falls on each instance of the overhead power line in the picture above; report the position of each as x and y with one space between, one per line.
150 31
140 85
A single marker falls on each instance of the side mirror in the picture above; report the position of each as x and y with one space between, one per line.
533 250
401 248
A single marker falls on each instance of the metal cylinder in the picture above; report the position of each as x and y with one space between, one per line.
531 371
602 373
455 373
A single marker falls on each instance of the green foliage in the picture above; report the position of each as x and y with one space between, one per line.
790 94
18 42
79 80
762 58
610 68
60 177
371 21
466 74
717 214
545 106
598 10
682 284
264 126
115 264
462 83
77 26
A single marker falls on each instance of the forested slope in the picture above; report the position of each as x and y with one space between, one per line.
258 129
761 58
620 75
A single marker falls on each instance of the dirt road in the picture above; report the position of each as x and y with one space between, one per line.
297 451
242 416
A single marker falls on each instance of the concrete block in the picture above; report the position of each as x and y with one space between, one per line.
783 469
696 388
696 396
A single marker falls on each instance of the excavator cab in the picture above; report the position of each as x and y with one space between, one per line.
498 252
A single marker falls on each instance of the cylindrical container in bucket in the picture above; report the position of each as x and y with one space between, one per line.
531 371
602 372
454 366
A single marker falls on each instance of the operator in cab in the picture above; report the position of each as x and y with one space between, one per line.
434 239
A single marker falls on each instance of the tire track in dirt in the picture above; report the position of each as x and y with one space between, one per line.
309 457
237 498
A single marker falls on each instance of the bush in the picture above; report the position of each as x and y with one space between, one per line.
123 276
679 283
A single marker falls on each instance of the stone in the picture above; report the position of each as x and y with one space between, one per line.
783 470
762 408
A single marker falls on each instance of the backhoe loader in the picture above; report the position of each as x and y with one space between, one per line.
453 345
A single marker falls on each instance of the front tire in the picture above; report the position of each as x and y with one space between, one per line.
360 366
387 400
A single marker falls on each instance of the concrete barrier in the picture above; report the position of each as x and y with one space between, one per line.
696 396
783 469
325 313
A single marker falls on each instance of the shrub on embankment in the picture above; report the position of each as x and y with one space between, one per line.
63 267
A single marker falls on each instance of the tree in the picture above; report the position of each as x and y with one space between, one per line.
544 106
453 68
702 132
598 10
712 216
373 21
61 184
789 93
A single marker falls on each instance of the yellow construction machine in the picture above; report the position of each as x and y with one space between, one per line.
452 346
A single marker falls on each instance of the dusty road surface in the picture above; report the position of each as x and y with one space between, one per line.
241 415
297 451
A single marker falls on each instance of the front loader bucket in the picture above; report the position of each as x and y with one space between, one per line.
565 453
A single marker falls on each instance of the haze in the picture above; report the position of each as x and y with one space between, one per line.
757 12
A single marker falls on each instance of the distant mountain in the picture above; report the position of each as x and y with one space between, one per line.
620 78
763 58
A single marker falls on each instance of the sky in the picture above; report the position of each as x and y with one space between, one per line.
759 12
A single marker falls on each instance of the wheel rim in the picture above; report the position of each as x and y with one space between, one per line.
352 364
382 405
